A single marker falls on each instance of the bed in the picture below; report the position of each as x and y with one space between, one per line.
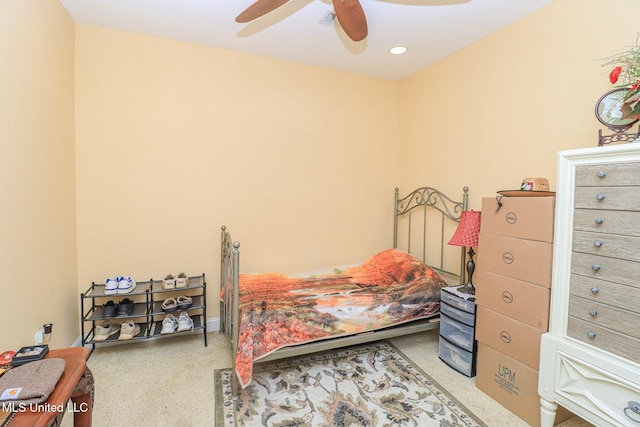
270 316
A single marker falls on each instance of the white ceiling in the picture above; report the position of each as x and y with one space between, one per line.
430 29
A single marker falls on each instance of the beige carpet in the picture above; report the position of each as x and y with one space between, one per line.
170 382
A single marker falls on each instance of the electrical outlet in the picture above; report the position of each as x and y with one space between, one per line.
39 336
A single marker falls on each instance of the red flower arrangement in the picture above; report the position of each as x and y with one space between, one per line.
627 69
614 74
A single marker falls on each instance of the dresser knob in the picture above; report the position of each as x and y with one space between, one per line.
597 243
593 313
600 197
596 267
595 290
632 411
602 174
591 334
599 220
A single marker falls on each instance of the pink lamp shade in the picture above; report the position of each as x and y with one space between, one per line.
468 230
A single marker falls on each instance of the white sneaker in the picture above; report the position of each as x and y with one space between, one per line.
125 284
185 323
104 331
169 325
128 330
110 286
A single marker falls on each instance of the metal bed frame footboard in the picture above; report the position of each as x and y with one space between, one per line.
424 198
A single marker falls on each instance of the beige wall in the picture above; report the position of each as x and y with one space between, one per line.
175 140
499 110
37 194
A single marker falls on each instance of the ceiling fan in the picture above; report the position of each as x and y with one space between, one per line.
349 13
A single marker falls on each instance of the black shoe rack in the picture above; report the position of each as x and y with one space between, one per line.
146 310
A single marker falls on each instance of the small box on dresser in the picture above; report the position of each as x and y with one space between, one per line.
590 358
457 345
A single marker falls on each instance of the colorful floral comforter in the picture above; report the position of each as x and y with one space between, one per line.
278 310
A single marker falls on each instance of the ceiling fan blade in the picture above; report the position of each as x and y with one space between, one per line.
259 8
351 17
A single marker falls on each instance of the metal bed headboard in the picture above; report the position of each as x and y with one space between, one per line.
423 199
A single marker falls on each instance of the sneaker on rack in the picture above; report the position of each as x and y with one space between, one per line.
128 330
169 304
169 282
104 331
109 309
125 307
184 302
182 280
125 284
185 323
110 286
169 324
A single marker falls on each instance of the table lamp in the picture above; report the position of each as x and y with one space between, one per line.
466 235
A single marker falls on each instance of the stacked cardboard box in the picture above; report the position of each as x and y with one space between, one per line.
513 284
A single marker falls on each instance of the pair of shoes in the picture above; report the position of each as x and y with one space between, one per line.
172 304
179 281
123 308
119 285
128 330
104 331
170 324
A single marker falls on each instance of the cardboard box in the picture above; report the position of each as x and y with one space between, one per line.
526 260
522 217
522 301
509 336
512 384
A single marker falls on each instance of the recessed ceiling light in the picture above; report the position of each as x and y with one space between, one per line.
398 50
328 18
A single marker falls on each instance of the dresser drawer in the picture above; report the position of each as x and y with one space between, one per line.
457 301
610 269
608 174
605 339
626 223
459 315
609 245
457 333
622 296
615 198
600 392
609 317
459 359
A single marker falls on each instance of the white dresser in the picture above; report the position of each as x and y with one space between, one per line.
590 358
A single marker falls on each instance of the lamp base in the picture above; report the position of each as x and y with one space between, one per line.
469 288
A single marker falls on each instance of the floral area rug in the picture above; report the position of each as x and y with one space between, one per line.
366 385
